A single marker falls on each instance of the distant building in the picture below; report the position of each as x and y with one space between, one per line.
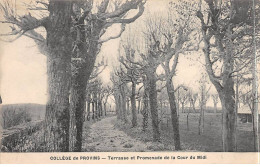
244 113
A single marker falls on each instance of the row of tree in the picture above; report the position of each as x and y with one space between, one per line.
75 32
224 31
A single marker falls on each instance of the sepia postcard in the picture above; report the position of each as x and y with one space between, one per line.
129 81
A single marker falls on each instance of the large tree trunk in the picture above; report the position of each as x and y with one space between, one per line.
59 44
174 116
80 79
57 110
86 56
227 96
154 106
133 106
78 103
225 86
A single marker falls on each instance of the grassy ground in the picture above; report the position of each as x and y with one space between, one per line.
209 141
87 129
104 137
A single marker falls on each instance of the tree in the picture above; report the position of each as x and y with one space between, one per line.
203 98
131 75
148 68
226 29
173 36
89 27
254 75
215 101
91 89
107 92
14 115
88 99
193 97
57 46
163 42
139 102
119 89
146 106
183 99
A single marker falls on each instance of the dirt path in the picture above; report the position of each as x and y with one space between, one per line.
104 137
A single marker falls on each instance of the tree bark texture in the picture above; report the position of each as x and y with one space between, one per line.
227 97
145 110
174 116
59 45
154 106
123 103
86 53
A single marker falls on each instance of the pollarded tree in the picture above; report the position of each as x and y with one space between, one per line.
147 66
143 102
175 34
91 97
131 75
90 24
57 46
71 22
157 48
119 89
227 35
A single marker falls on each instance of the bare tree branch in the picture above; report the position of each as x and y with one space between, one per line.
123 9
25 23
114 37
